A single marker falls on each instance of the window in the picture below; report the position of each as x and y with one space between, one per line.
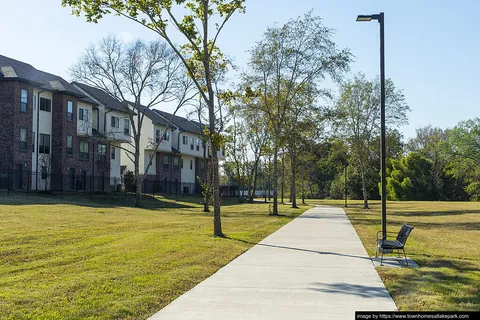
192 141
69 145
23 139
126 127
45 104
112 153
198 144
33 141
24 100
69 110
191 164
166 162
202 165
44 172
157 135
166 136
181 163
175 164
83 114
83 150
185 139
114 122
102 152
44 144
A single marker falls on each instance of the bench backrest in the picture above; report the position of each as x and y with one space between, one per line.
403 234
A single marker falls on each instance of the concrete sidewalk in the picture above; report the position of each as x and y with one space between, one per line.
315 267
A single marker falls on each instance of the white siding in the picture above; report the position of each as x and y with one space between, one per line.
115 163
188 175
146 146
45 127
84 127
113 132
153 168
187 149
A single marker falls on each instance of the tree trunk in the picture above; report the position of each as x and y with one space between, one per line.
138 180
364 188
217 223
293 192
254 178
283 175
303 191
275 181
208 180
269 178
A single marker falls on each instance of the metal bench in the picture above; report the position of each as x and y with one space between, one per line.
388 246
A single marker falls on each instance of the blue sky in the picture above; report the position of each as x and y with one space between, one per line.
432 46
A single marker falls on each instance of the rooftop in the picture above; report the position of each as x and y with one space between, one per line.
11 69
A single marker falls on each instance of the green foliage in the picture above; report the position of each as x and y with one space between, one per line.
357 120
207 191
464 145
409 178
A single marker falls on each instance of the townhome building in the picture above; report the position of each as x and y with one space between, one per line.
181 158
50 132
188 141
163 161
113 121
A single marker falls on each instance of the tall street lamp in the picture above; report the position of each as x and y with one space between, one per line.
380 18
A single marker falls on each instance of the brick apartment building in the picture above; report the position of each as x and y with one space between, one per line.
49 139
57 135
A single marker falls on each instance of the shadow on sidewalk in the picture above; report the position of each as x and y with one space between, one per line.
314 251
354 289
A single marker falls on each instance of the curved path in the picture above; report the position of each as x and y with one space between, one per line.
315 267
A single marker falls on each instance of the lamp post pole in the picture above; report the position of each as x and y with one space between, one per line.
380 18
382 121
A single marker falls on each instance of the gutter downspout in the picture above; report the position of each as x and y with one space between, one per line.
37 137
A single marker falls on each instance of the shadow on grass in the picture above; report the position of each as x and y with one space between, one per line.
94 201
458 226
458 265
450 280
436 213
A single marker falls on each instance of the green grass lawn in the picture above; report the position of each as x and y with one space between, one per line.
99 258
445 243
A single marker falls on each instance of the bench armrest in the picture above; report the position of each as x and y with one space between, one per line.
390 235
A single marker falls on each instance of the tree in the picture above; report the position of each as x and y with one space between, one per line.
289 58
409 178
140 75
303 123
429 142
464 145
199 54
237 150
358 118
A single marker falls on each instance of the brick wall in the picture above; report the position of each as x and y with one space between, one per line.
170 174
11 121
61 162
